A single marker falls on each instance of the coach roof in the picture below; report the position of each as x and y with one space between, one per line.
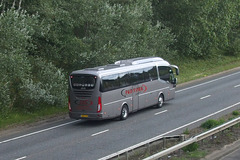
123 65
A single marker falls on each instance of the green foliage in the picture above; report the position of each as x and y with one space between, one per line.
85 33
25 79
200 26
186 131
191 147
211 123
16 32
235 113
14 68
47 86
43 40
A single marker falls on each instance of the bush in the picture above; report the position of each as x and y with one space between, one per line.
191 147
48 86
211 123
235 113
234 48
14 69
26 81
5 100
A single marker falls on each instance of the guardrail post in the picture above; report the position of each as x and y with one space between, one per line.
127 155
148 148
202 141
182 138
164 142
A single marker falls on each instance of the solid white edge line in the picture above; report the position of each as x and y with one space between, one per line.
37 132
160 112
33 133
207 82
95 134
237 86
202 118
21 158
205 97
229 107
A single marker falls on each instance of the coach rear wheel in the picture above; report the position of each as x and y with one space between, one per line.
160 101
124 112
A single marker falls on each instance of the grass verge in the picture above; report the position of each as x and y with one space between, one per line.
191 69
19 117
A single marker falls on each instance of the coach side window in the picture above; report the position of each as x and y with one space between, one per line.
124 79
110 82
137 76
152 73
165 73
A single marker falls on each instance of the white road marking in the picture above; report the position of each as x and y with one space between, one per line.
237 86
95 134
205 97
21 158
37 132
229 107
44 130
202 84
184 126
160 112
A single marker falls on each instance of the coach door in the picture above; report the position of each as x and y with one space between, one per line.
135 98
137 77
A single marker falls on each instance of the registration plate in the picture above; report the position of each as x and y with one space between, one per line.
84 116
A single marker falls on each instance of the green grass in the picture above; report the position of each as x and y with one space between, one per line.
187 132
20 117
190 69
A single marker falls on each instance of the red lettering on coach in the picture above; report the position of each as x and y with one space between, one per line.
142 88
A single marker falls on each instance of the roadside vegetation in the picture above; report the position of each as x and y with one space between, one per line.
43 41
199 150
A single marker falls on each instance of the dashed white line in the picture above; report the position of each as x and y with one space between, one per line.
202 84
237 86
95 134
160 112
181 127
21 158
205 97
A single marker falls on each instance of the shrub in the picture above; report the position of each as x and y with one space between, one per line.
186 131
211 123
46 87
5 100
235 113
14 69
191 147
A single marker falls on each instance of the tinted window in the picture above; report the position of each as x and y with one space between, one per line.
110 82
83 81
124 79
150 74
164 73
137 76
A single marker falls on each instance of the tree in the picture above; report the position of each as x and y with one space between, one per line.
18 73
200 26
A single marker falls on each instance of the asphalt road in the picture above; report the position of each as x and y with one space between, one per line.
235 155
89 140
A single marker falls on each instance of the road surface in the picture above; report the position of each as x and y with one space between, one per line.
88 140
